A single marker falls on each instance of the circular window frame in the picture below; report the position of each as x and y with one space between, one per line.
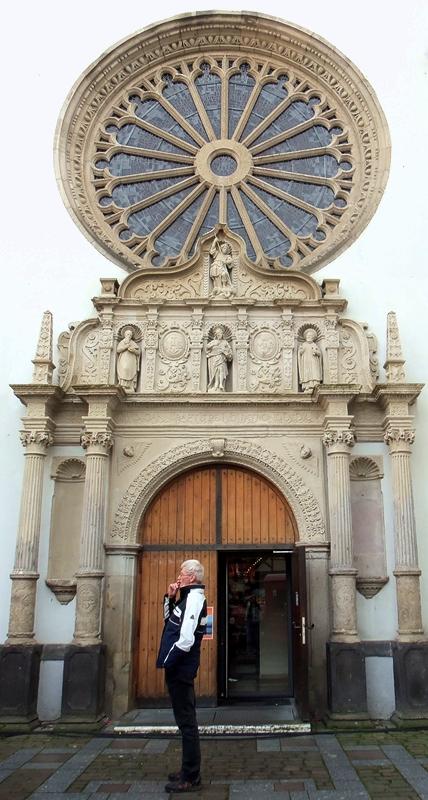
220 34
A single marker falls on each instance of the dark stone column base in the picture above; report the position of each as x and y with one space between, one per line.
411 681
346 680
19 685
83 686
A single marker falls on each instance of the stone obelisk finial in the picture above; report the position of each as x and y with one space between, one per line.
394 364
43 364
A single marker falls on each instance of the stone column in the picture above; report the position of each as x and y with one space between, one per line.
120 593
338 443
91 568
406 571
24 575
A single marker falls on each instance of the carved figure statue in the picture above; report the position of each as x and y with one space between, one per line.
219 352
221 253
310 361
128 361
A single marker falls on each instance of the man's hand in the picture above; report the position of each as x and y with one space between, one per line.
173 589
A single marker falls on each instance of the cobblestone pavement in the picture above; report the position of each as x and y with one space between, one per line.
346 766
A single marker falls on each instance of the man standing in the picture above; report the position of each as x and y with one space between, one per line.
179 655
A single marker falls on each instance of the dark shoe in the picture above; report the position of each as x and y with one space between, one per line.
181 786
174 777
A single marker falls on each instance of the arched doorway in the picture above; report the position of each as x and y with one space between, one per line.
219 514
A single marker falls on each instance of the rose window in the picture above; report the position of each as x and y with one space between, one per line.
222 120
213 143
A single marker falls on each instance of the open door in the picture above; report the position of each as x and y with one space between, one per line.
300 628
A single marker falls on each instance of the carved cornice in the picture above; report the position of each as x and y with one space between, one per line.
25 392
385 393
99 439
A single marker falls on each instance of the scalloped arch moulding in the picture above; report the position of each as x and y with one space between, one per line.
227 119
302 501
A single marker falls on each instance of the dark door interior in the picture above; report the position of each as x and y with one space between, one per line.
256 618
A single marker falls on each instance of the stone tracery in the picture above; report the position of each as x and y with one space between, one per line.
257 128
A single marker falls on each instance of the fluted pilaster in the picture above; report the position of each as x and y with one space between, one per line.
342 571
407 570
91 565
24 575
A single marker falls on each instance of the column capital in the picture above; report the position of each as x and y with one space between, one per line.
399 439
338 439
98 440
36 441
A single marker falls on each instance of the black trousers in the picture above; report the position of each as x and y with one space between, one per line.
182 694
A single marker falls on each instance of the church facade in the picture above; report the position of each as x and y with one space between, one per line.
219 403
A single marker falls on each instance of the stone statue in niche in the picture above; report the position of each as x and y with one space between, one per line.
221 264
128 361
310 361
219 353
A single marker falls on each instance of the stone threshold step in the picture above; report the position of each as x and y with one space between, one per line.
218 730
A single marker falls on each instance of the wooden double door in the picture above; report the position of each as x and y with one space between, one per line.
220 514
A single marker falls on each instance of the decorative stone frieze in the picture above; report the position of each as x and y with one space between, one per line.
332 346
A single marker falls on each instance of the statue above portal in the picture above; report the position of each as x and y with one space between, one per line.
221 264
219 353
310 361
128 361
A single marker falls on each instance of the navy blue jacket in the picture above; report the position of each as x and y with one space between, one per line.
185 625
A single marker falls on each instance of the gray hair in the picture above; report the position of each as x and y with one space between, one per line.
193 567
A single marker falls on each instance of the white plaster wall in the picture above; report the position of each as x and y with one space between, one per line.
47 263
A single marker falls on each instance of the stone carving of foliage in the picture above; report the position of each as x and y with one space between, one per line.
172 376
302 500
373 356
89 373
268 290
348 358
182 289
43 438
64 354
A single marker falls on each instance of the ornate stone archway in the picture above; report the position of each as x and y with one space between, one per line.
302 501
